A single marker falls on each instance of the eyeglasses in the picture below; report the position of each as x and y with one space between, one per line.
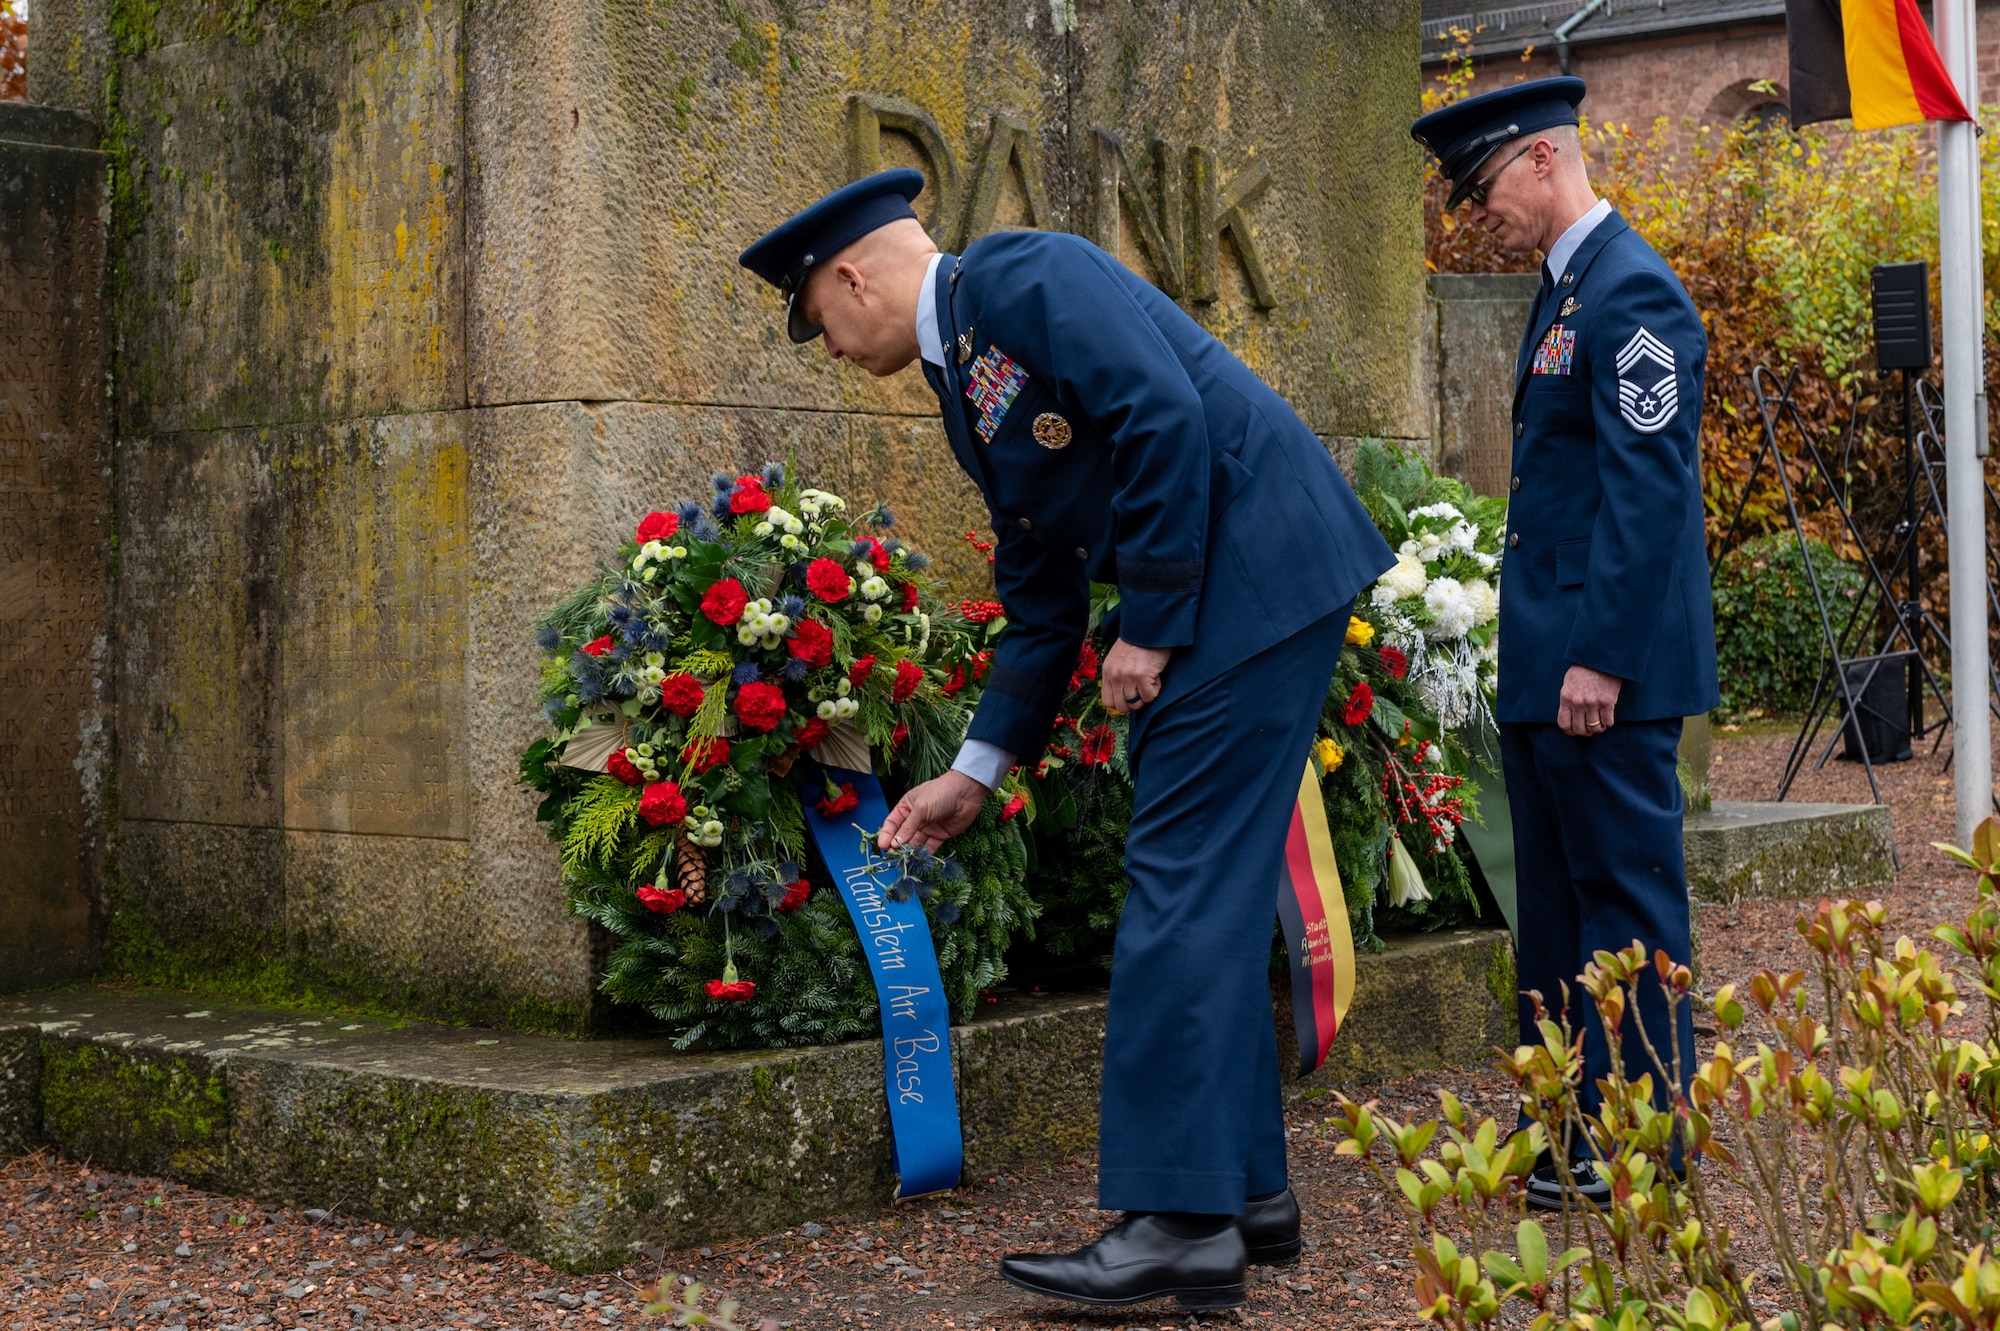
1476 192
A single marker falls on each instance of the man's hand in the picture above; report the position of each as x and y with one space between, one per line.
1131 675
1588 699
933 813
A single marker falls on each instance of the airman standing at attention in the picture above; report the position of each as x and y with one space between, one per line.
1116 441
1607 637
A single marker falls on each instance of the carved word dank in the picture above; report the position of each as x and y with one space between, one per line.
1178 226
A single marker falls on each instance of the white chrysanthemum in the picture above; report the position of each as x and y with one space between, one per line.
1485 601
1462 537
1431 548
1407 578
1452 610
871 613
1383 596
826 711
1408 548
874 588
1446 511
1485 561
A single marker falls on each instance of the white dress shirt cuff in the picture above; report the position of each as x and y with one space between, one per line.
985 763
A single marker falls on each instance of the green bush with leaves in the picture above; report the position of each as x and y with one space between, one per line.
1852 1105
1769 645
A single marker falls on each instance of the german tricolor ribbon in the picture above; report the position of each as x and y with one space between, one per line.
1317 939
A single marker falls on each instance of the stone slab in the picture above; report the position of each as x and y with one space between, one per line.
577 1150
55 546
1479 321
1769 851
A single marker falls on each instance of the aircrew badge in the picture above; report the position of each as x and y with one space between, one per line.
1570 306
1648 396
993 382
1051 430
1556 352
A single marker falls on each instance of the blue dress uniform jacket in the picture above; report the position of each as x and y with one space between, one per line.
1606 565
1116 441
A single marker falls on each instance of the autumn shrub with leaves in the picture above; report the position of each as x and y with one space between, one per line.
1854 1104
13 53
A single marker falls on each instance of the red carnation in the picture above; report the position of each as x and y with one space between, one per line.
705 755
909 597
1086 667
858 673
731 991
760 706
1395 662
663 903
841 802
877 555
795 895
1359 704
749 496
908 675
1013 808
812 642
621 767
682 694
954 682
812 732
1098 746
661 803
901 733
827 580
598 647
657 527
725 601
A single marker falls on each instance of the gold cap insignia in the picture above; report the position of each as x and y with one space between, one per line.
1051 430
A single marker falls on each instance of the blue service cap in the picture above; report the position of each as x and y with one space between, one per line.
1463 135
786 253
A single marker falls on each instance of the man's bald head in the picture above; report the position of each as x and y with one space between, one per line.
865 297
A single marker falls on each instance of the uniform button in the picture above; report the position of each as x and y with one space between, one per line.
1082 553
1026 525
1513 540
1514 483
1517 429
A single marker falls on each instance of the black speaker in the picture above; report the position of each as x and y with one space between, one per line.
1881 718
1902 316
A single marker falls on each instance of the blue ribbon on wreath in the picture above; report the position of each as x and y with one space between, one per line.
925 1141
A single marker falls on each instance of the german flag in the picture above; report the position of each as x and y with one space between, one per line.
1872 60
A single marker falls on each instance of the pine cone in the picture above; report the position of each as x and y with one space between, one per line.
782 764
691 870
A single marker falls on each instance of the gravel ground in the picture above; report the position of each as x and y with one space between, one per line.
80 1247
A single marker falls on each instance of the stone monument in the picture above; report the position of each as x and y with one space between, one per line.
55 546
419 304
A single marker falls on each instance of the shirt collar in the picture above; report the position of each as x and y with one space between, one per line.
930 343
1579 231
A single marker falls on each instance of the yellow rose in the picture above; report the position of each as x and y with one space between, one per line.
1359 632
1330 755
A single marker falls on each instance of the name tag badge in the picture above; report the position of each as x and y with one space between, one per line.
1556 352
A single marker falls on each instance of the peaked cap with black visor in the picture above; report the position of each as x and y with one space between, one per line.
1465 134
786 254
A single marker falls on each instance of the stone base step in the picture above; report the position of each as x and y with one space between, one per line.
578 1150
1767 851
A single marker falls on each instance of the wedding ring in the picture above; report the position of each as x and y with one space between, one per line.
1131 697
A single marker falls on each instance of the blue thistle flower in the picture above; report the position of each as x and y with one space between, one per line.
658 638
946 912
788 872
767 928
723 482
746 673
547 638
774 474
688 511
916 561
720 508
737 882
860 550
620 651
923 856
791 607
883 517
636 631
706 530
952 871
894 546
796 670
590 691
619 614
552 711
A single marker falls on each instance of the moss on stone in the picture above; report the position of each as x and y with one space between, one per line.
1502 980
135 1110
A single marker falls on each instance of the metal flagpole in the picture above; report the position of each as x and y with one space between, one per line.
1959 272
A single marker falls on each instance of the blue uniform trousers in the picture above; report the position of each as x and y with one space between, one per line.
1192 1118
1598 863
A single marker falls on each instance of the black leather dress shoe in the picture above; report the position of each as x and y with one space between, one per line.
1545 1187
1139 1259
1271 1229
